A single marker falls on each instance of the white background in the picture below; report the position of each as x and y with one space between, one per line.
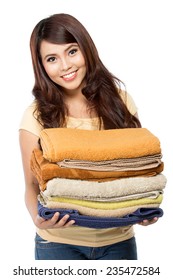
134 40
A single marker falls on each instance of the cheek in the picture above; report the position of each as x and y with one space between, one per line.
80 60
51 70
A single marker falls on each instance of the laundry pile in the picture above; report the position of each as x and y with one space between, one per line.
101 178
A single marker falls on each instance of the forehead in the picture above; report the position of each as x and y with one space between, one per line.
50 48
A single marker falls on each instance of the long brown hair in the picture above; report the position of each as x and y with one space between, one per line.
101 87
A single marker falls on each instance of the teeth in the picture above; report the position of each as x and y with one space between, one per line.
69 75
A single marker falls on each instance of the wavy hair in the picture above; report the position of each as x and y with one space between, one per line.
101 87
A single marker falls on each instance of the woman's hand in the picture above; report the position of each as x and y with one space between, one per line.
148 222
53 222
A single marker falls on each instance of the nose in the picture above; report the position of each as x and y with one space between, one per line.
65 64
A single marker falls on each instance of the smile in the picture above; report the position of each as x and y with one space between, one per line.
70 76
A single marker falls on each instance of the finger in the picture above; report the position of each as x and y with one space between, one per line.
63 221
144 223
70 223
50 222
54 219
154 220
148 222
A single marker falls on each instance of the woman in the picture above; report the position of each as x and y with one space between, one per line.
72 89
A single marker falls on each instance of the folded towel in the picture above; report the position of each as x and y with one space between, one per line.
103 205
97 145
96 212
101 222
151 195
122 164
91 190
43 170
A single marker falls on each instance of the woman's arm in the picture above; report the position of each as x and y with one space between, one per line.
28 142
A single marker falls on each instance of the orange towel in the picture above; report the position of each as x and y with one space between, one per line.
97 145
45 170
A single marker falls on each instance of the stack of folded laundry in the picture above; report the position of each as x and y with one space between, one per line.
101 178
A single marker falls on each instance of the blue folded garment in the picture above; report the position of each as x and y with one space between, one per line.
101 222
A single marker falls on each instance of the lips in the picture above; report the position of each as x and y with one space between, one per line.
70 76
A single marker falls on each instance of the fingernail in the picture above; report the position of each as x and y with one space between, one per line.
67 216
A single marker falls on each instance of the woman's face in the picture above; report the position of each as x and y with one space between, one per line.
64 64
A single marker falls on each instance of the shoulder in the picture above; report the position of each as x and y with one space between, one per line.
129 102
29 120
31 109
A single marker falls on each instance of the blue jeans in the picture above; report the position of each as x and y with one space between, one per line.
44 250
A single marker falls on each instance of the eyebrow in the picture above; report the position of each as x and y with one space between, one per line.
69 47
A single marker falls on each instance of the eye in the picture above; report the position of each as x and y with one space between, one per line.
51 59
73 51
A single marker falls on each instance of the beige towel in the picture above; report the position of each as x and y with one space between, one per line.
111 190
128 164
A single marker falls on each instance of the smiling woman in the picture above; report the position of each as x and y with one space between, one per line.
65 65
73 89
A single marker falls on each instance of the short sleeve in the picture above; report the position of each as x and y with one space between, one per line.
128 100
29 120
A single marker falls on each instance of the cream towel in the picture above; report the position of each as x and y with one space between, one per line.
104 190
151 194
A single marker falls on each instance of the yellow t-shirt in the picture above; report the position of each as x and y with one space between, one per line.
80 235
